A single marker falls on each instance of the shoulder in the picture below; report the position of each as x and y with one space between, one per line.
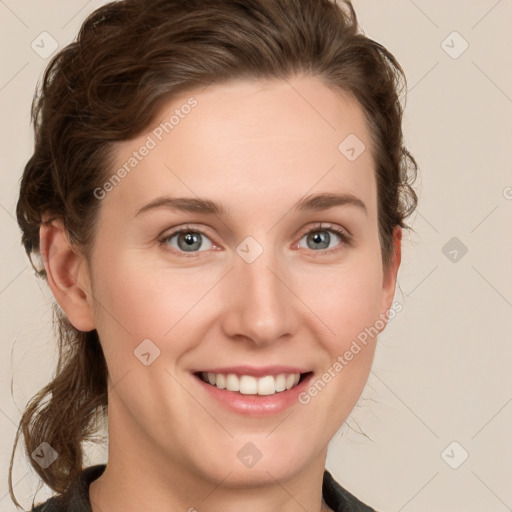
76 498
339 499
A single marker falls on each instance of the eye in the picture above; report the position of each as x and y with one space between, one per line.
320 238
187 240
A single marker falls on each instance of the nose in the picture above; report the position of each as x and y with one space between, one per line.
260 306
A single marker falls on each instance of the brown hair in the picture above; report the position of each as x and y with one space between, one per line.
129 58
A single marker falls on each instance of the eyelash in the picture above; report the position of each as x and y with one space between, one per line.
345 237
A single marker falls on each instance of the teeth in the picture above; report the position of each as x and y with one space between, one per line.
232 382
249 385
220 380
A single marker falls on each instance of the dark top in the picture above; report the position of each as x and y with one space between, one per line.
76 498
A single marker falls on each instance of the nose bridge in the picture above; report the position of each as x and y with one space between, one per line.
261 305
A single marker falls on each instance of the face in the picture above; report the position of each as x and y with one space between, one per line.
271 278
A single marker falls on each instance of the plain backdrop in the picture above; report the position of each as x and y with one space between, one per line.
432 429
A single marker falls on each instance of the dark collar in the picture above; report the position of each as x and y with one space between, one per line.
339 499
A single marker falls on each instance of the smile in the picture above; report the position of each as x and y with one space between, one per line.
250 385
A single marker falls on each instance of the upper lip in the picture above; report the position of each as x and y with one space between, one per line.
255 371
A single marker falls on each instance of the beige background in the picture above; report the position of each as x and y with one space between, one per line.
442 371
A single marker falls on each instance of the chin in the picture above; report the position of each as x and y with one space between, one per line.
255 463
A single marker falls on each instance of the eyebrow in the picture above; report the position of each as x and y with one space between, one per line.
313 202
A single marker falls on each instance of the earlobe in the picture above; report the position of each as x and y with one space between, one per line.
67 274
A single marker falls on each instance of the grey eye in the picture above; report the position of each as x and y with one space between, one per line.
188 241
320 239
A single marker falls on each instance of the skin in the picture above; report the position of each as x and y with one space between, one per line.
257 148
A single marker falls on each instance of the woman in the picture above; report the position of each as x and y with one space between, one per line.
217 194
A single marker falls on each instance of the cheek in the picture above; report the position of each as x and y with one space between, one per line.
349 304
346 299
137 301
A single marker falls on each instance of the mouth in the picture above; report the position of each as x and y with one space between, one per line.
251 385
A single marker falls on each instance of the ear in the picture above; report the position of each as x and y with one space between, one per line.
67 274
390 274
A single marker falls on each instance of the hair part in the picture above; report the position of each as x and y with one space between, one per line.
130 58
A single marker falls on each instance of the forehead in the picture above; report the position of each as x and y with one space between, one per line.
251 138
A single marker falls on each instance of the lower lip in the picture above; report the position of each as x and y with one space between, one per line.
256 405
